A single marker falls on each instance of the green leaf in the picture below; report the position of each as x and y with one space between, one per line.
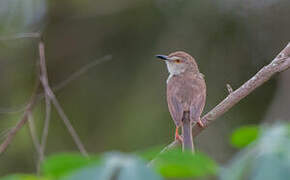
116 166
22 177
94 172
244 136
184 164
61 164
266 159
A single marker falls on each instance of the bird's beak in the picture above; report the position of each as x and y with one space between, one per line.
163 57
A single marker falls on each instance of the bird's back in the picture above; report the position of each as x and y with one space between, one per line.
185 92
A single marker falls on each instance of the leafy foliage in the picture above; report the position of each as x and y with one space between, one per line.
268 158
61 164
174 163
244 136
118 166
184 164
23 177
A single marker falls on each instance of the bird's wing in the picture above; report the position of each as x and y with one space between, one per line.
186 94
174 101
175 109
197 100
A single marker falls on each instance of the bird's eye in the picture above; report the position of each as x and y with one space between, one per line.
177 61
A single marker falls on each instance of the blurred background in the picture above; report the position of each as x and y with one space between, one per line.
121 104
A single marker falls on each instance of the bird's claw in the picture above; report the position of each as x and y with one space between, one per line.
199 122
177 136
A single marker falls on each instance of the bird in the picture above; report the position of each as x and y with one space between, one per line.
186 94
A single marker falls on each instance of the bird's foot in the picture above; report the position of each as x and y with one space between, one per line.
199 122
177 136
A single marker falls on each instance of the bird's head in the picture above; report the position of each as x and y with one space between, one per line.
179 62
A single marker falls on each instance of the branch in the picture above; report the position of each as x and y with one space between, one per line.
36 98
229 88
13 110
21 122
62 84
37 145
45 129
279 64
48 91
4 133
172 145
21 36
31 126
81 71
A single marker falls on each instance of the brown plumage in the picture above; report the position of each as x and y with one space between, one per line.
186 93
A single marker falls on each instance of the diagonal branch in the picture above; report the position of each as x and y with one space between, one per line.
21 36
51 95
62 84
31 126
21 122
36 98
44 132
279 64
81 71
172 145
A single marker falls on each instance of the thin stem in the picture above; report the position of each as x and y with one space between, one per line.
45 131
35 98
33 133
279 64
50 94
62 84
21 36
21 122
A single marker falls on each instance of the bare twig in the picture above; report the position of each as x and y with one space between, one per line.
21 36
38 147
229 88
44 132
35 98
4 133
62 84
21 122
81 71
33 133
50 94
279 64
172 145
12 110
46 127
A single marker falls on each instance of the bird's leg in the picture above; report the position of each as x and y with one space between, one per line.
199 122
177 136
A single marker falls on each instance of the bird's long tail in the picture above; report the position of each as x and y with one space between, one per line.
187 143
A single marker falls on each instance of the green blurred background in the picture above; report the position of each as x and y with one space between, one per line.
121 104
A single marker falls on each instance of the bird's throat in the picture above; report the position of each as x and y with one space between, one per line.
175 69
